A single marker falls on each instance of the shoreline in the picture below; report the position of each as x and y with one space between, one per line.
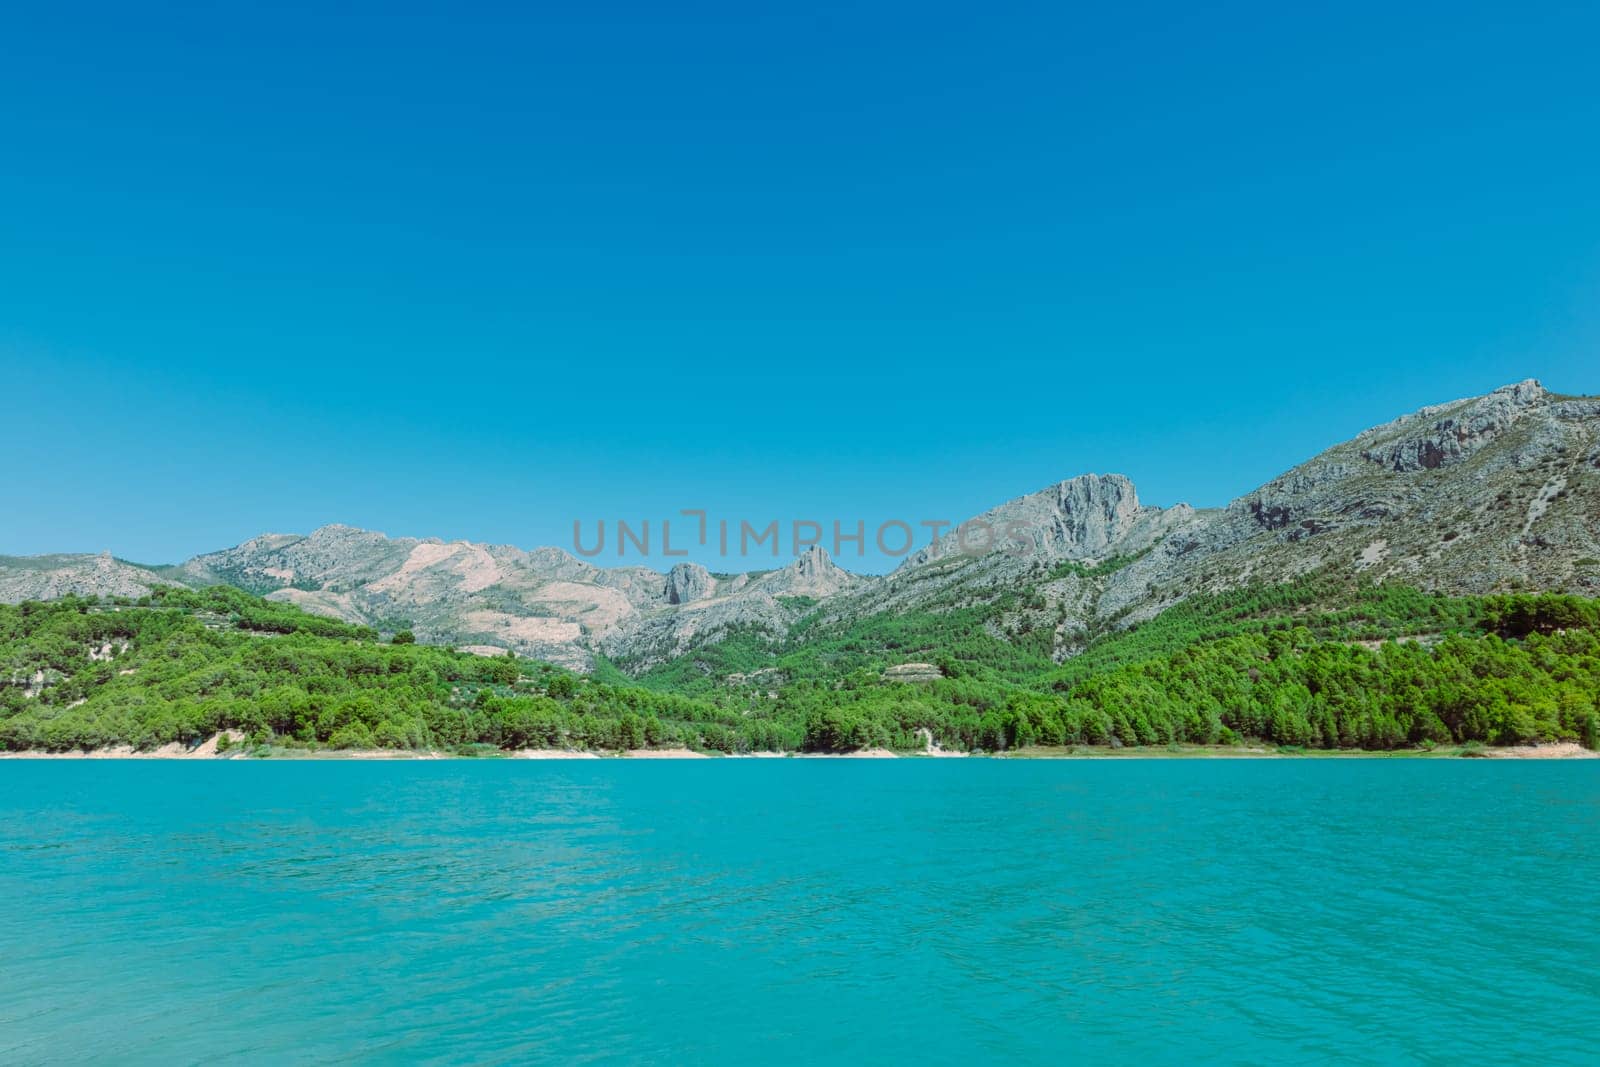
237 750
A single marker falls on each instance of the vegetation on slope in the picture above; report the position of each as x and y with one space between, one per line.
1317 663
182 665
1323 662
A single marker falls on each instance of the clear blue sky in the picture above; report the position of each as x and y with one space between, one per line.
479 271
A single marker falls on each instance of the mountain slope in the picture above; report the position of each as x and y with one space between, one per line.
1486 494
1494 493
50 577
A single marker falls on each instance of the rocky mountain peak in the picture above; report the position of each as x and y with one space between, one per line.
813 574
688 582
1093 511
1437 436
335 532
813 562
1085 517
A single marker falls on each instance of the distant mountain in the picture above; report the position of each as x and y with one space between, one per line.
543 603
1493 493
48 577
1489 494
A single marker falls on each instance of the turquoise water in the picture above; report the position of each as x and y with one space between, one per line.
800 911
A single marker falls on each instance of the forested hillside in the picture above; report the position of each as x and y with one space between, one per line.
1320 663
181 665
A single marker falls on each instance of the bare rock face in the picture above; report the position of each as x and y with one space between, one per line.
1080 518
1048 543
689 582
1091 513
769 602
1434 437
813 574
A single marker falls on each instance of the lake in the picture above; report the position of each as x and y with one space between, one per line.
739 911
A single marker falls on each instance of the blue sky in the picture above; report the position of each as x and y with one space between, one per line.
480 271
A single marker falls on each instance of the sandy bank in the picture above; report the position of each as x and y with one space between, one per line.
207 749
1564 750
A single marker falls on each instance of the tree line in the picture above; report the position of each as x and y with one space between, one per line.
1305 664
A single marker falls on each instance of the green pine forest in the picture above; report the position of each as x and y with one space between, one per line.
1321 663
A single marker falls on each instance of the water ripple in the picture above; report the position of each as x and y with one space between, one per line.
796 911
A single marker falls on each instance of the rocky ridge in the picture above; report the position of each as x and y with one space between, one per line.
1488 493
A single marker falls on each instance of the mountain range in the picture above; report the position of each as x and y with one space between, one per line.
1486 494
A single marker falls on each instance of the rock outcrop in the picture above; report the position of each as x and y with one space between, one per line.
689 582
1080 518
769 602
1460 429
